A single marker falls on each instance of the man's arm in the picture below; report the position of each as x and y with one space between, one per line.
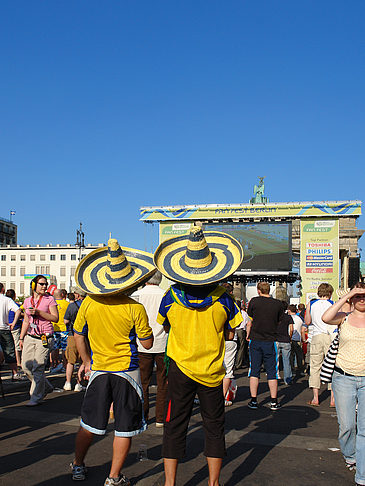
16 318
308 317
229 334
303 330
147 343
248 329
83 350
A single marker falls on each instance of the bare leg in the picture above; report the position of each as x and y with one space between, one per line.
170 471
254 385
121 446
332 399
18 355
315 399
214 466
273 385
69 371
14 368
54 358
84 439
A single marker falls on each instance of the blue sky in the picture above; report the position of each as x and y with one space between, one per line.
109 106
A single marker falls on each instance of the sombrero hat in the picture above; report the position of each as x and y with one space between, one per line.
112 269
199 258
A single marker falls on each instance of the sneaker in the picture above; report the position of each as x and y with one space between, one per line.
253 404
67 386
79 388
121 481
78 472
275 406
18 377
351 466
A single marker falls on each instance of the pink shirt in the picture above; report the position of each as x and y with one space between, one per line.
38 325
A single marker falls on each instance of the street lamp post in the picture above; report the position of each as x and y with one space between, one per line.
80 240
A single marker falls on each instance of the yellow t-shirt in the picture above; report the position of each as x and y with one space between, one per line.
60 326
112 325
196 339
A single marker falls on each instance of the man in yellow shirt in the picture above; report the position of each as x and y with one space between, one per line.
199 315
111 321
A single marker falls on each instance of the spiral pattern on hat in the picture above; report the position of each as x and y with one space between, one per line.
226 252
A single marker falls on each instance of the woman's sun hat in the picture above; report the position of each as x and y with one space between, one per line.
199 258
113 269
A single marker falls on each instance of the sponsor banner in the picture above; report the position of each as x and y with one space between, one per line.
170 230
281 210
319 255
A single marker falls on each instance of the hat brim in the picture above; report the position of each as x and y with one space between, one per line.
227 255
90 273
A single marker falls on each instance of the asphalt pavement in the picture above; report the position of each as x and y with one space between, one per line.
294 446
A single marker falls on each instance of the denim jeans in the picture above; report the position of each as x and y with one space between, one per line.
348 391
285 349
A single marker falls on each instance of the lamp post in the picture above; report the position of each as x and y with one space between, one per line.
80 240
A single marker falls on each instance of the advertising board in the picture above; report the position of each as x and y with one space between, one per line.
319 255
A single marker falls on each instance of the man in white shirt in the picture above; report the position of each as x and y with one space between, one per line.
6 338
320 337
150 296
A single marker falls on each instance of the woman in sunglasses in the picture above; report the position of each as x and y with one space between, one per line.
348 379
40 310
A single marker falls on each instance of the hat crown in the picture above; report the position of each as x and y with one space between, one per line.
197 253
117 267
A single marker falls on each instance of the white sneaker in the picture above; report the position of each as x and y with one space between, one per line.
79 388
67 386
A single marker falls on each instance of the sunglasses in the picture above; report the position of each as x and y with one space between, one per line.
43 284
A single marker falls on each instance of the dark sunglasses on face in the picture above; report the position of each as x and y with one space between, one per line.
43 284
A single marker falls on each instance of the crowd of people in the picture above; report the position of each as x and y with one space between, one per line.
119 325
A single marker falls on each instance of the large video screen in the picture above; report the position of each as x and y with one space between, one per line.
266 246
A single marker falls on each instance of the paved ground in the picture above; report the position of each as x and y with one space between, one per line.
296 445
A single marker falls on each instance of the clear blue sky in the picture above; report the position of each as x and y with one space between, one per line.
109 106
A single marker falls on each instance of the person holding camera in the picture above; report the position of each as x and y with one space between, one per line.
36 337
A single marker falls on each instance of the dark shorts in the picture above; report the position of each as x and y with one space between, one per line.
264 352
7 343
124 391
181 391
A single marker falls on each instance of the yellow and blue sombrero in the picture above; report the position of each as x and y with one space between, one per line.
113 269
199 258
